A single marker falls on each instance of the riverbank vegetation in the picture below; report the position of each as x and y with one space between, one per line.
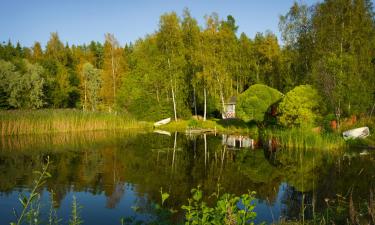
185 68
303 138
212 125
16 122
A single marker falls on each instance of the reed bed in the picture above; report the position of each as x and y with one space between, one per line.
305 138
17 122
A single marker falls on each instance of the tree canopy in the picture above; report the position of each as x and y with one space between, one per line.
300 106
256 101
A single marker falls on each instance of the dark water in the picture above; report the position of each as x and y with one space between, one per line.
115 175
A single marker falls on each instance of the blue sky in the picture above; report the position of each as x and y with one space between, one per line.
79 21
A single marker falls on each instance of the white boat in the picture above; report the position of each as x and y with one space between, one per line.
361 132
162 122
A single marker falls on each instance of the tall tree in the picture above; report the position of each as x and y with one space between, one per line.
344 33
113 69
297 35
92 82
37 52
191 38
267 53
170 44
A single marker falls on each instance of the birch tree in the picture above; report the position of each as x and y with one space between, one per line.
170 44
113 68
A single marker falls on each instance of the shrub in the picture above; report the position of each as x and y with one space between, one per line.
255 101
300 106
229 209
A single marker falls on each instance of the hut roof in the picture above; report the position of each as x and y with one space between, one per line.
232 100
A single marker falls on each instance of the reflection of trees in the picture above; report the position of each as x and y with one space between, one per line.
116 195
101 163
297 204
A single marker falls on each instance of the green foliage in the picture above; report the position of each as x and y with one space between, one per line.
30 205
75 216
229 209
92 85
193 123
21 89
52 217
164 196
255 101
300 106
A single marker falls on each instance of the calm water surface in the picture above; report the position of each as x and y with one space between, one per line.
115 175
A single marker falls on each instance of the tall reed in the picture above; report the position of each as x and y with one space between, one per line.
15 122
305 138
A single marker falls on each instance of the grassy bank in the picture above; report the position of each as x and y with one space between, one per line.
16 122
305 138
221 126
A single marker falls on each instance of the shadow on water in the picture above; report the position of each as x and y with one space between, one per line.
110 172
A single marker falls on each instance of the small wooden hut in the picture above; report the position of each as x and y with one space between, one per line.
230 108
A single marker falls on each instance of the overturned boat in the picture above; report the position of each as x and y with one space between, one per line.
361 132
162 122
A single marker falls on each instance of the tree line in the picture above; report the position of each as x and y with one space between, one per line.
185 69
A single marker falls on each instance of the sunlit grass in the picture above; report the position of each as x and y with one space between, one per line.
16 122
223 126
306 138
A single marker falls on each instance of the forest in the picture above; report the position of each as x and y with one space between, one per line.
185 68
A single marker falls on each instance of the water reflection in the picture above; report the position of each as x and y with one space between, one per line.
114 171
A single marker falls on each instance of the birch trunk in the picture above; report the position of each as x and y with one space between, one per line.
195 103
205 105
174 105
113 74
222 99
173 94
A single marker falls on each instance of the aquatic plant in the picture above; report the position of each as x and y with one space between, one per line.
28 208
75 216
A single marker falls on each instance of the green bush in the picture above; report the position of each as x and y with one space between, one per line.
229 209
300 106
255 101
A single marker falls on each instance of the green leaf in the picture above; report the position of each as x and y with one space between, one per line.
164 196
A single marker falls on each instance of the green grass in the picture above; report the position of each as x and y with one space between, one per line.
17 122
306 138
221 126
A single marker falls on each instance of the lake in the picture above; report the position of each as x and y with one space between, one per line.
114 175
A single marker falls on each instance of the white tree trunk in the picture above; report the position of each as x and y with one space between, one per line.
205 105
222 99
113 74
174 105
195 103
173 94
